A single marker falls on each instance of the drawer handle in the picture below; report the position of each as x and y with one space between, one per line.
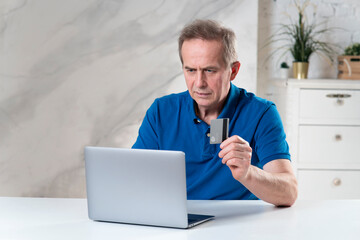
338 95
340 102
337 182
338 137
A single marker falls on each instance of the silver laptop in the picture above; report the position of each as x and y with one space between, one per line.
134 186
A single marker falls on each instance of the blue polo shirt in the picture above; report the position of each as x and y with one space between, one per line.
171 124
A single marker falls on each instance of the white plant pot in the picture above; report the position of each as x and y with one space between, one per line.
284 73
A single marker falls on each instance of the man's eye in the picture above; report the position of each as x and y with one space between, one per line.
191 70
209 71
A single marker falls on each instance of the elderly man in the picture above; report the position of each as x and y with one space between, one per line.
253 163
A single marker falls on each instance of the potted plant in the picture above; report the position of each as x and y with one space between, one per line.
284 70
349 63
353 50
301 39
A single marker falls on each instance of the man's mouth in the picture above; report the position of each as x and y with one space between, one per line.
202 94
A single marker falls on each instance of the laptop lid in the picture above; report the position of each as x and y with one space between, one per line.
136 186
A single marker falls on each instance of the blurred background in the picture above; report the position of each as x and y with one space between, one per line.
78 73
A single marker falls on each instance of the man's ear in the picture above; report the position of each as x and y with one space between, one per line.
234 70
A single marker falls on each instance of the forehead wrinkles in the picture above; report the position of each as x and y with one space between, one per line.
202 52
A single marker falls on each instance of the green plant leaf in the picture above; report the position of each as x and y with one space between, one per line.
302 39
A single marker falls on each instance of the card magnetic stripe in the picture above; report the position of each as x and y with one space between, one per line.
225 129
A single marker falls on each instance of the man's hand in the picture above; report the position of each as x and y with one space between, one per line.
275 184
236 154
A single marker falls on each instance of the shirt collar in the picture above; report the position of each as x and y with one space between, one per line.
231 102
229 107
191 103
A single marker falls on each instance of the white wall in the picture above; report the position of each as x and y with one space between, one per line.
77 73
344 14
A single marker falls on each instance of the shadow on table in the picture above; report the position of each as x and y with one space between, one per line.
233 209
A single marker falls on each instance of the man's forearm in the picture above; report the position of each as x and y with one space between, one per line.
279 189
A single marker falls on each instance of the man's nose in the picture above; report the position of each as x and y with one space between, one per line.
200 79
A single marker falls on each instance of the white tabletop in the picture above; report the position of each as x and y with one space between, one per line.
45 218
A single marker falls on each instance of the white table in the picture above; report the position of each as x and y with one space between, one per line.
45 218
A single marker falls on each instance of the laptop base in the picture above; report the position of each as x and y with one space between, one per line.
195 219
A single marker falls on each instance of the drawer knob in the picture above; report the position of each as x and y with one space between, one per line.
338 137
338 95
340 102
337 182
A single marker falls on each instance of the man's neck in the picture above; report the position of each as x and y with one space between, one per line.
208 114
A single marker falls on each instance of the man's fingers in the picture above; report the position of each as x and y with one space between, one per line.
236 155
231 163
236 147
233 139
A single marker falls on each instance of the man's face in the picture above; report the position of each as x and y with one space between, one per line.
207 77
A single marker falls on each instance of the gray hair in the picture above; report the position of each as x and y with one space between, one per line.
210 30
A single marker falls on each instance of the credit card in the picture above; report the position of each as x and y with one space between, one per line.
219 130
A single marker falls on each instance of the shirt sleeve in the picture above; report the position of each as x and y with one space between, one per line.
270 137
148 138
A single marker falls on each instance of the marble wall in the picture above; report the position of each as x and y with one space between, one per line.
77 73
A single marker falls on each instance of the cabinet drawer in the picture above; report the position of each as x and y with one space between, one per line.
314 184
316 104
337 146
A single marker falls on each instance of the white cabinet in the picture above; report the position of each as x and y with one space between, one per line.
331 146
328 184
333 106
322 122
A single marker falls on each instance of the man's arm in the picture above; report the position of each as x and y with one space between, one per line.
275 184
147 138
